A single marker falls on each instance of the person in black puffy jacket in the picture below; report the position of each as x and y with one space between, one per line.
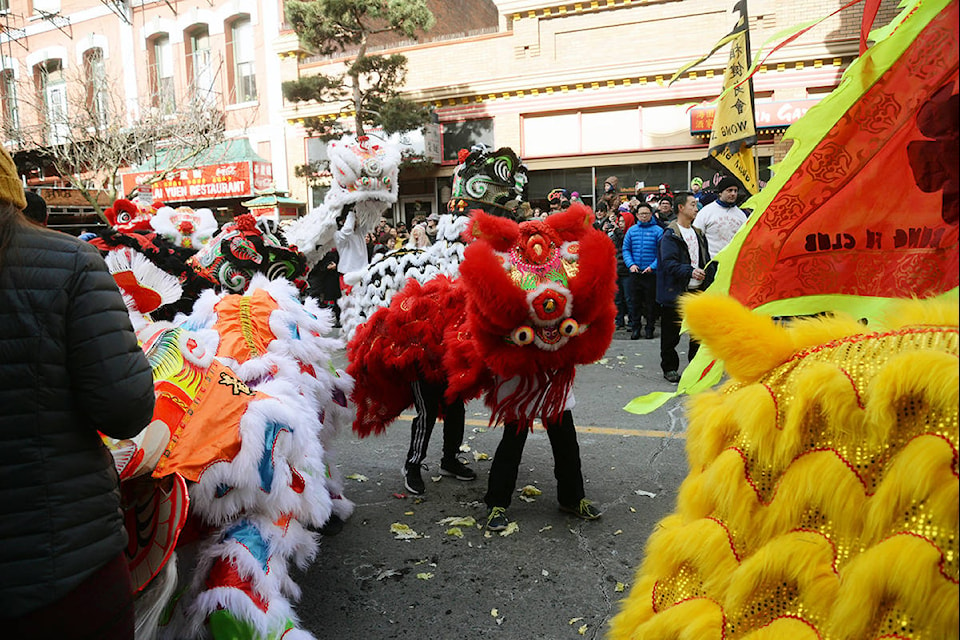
70 366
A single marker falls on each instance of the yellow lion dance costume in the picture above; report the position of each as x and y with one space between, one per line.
822 497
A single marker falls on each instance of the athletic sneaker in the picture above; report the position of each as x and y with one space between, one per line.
412 479
497 519
453 468
584 510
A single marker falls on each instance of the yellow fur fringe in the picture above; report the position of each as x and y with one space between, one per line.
823 498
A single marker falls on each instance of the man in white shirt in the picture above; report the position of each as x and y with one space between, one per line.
721 219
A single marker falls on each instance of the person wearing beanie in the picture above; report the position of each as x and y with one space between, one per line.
721 219
70 367
36 209
696 188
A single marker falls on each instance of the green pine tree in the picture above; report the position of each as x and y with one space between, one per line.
370 86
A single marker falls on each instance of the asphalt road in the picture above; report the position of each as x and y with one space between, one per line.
554 577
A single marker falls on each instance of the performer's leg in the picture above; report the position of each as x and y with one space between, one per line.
450 465
425 401
506 464
566 459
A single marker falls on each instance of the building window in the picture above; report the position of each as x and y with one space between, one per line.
465 134
46 6
53 91
605 131
4 6
200 63
164 93
95 75
244 83
11 112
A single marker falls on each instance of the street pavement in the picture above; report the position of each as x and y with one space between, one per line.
554 577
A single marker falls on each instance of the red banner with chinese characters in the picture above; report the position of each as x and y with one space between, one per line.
872 210
207 182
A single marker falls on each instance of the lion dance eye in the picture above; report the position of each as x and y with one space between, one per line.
522 335
569 328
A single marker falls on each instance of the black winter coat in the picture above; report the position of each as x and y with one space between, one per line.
69 366
673 265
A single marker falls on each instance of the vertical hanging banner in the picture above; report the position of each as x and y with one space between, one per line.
734 126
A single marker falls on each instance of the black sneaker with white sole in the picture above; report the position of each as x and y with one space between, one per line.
453 468
413 480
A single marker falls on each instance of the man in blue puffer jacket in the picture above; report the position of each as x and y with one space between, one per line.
70 366
640 256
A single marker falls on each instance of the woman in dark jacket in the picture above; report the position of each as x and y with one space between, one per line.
70 366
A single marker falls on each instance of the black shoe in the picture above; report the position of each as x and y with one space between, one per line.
635 335
584 509
497 519
671 376
412 479
649 334
453 468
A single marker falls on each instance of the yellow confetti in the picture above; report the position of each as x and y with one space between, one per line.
477 456
620 587
495 613
632 510
424 576
455 531
359 477
408 513
582 630
401 531
459 521
602 361
546 528
512 528
618 532
465 448
531 490
574 620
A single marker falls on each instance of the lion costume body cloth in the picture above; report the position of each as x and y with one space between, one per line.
533 300
822 496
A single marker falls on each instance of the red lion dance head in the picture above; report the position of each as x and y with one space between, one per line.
540 300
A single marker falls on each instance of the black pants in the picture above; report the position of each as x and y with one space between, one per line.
644 300
670 338
566 463
427 400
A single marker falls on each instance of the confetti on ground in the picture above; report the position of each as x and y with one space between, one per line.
477 456
641 492
459 521
455 531
387 573
531 490
408 513
436 478
359 477
544 573
618 532
582 630
401 531
574 621
495 613
465 448
400 496
424 576
602 361
620 587
638 366
512 528
632 510
546 528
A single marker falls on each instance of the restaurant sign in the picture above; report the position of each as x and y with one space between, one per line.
769 115
207 182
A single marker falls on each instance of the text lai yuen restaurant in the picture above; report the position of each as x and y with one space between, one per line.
221 178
